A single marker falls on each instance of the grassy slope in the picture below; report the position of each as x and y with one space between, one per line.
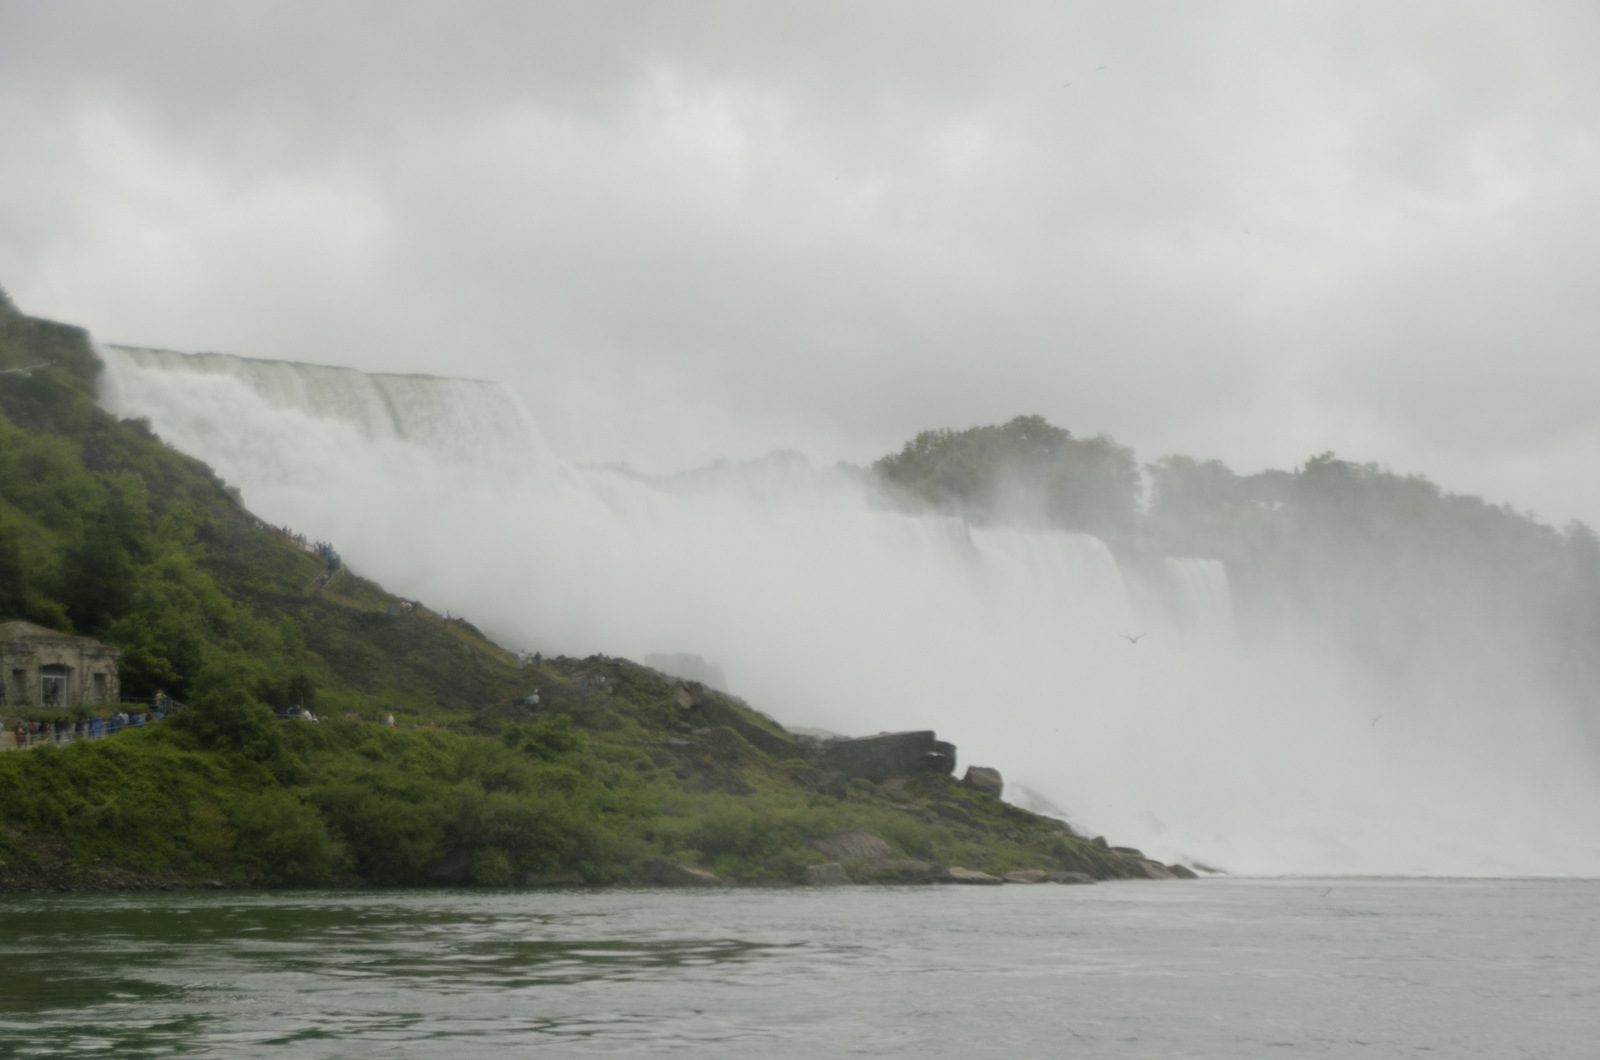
207 602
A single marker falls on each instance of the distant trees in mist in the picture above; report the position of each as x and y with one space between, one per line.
1407 579
1026 471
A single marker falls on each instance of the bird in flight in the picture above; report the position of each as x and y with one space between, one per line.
1133 638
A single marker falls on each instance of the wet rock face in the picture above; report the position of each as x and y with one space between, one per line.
1155 870
890 754
982 778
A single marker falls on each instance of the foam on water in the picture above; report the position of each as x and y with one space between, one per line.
829 610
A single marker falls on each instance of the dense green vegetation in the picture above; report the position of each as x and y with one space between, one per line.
1025 471
106 532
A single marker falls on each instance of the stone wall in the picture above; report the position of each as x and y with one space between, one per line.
26 650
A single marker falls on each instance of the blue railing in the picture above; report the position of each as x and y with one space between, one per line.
22 737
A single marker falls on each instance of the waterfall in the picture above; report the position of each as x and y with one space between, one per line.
218 403
1201 596
830 610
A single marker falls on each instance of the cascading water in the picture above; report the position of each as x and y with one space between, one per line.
1202 598
828 610
468 420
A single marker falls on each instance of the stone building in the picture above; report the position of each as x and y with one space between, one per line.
42 668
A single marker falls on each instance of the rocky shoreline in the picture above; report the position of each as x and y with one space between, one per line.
861 858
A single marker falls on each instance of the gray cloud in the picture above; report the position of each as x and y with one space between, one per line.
1253 231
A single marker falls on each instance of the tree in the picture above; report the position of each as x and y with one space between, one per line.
1026 471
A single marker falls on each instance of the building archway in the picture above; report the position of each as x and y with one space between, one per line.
55 685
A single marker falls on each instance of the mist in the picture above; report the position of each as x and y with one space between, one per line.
1239 229
1122 692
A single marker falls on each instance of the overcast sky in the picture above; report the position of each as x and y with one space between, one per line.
1253 231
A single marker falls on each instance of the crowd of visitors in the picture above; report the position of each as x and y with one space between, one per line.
84 726
320 548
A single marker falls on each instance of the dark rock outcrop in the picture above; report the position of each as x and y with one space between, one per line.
889 754
982 778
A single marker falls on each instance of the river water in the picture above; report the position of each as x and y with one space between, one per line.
1213 968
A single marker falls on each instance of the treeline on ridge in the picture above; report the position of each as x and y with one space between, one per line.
1402 575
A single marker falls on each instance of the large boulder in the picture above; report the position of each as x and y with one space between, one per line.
1183 872
665 873
957 874
889 754
1154 870
982 778
847 846
831 874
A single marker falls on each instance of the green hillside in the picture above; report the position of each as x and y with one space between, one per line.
620 773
